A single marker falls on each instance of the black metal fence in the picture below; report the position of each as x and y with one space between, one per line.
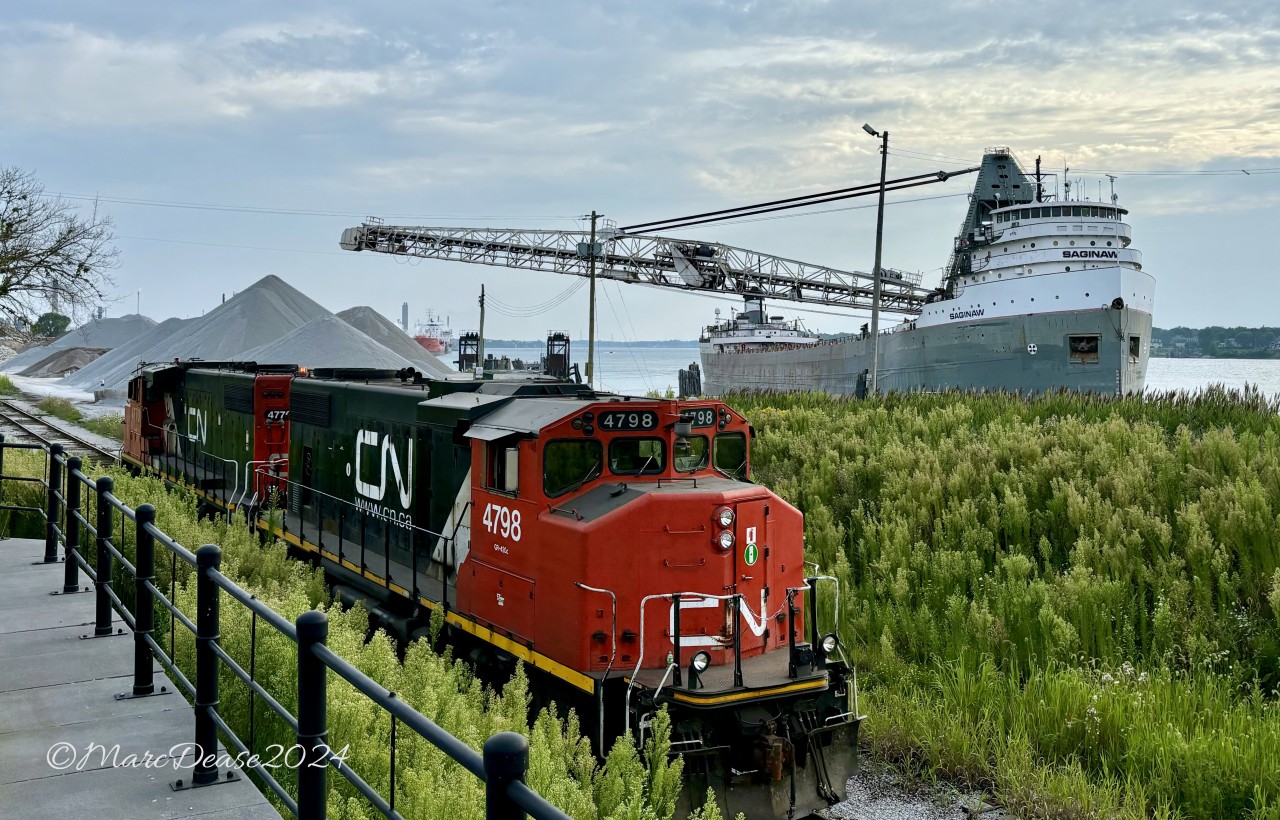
502 765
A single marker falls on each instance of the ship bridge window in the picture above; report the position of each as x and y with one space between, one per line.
729 454
1083 349
568 464
1026 213
1056 211
637 456
691 453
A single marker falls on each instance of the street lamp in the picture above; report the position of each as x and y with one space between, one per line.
873 387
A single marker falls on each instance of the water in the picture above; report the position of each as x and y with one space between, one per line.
622 368
1195 374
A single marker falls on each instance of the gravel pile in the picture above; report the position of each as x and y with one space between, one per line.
62 362
116 367
104 334
258 315
326 342
271 323
388 334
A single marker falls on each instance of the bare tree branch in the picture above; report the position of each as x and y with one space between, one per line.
49 253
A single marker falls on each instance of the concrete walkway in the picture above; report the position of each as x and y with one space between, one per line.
58 713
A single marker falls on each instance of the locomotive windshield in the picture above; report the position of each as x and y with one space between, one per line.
568 464
691 453
637 456
730 455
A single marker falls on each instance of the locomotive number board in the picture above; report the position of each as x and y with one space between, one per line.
702 417
624 420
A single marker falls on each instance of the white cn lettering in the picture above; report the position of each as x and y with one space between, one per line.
404 480
199 431
756 625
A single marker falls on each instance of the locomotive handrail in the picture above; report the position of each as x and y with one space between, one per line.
261 471
675 598
505 757
613 654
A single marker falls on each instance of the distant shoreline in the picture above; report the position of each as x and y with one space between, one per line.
541 343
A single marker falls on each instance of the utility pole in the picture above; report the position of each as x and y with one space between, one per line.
591 315
873 387
480 347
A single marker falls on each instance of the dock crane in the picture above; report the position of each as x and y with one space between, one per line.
665 262
659 261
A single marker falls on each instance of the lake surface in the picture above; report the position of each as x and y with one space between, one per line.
625 369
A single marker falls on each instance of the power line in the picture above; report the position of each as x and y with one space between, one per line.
253 209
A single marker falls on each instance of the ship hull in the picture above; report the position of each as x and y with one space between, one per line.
1026 354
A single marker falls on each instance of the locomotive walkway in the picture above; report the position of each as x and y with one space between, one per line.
58 698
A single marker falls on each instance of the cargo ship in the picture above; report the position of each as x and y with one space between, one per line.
1041 293
434 336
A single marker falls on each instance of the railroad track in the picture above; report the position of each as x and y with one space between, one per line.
15 419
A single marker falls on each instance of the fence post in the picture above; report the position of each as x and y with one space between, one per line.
144 608
2 449
102 623
208 557
51 513
71 572
506 758
313 728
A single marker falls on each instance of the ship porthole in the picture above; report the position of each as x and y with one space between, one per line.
1068 267
1055 243
1091 242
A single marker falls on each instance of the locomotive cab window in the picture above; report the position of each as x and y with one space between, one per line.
691 453
637 456
570 463
502 470
729 453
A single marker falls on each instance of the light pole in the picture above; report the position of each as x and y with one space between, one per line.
591 314
873 387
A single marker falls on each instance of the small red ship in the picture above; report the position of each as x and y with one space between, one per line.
434 336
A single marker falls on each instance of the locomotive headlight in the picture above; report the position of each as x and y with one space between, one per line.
725 540
700 661
724 517
830 643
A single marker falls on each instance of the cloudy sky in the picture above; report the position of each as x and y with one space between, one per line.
288 122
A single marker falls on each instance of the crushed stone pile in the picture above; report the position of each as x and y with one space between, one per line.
388 334
116 367
103 334
327 342
258 315
62 362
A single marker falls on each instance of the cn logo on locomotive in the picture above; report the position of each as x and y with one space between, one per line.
403 478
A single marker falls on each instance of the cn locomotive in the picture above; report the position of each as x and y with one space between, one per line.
614 544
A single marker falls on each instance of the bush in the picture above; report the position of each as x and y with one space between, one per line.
1053 598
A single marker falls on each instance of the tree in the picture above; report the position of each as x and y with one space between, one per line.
48 252
51 324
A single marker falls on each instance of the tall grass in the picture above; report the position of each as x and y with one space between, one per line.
7 387
1071 601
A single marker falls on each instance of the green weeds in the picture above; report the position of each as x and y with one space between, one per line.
61 408
1072 602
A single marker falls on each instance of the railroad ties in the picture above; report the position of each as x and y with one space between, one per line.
68 745
20 421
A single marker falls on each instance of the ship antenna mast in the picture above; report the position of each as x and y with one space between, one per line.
1039 185
1113 187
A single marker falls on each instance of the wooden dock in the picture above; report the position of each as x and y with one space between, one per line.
60 720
